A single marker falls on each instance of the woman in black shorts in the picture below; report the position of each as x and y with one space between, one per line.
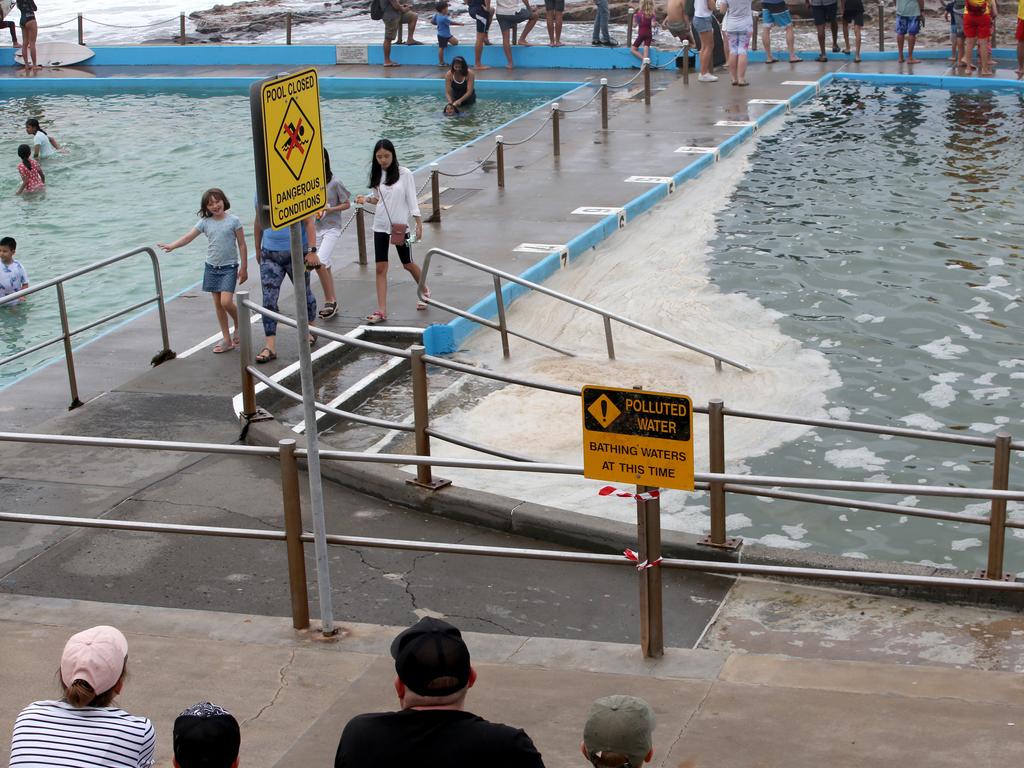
29 31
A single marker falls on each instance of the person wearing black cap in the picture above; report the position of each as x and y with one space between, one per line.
432 728
206 736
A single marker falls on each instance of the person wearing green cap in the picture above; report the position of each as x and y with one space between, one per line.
619 732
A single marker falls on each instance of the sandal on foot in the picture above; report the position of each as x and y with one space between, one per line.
330 310
221 348
770 61
375 317
422 305
266 355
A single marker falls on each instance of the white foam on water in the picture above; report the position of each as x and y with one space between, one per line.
995 261
839 413
980 309
1012 363
855 458
969 332
985 379
942 394
961 545
922 421
866 318
983 428
990 393
943 349
856 555
780 542
656 272
795 531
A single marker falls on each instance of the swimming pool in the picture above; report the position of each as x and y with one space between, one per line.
864 257
139 159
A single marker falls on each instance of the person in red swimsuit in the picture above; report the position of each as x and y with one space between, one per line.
32 177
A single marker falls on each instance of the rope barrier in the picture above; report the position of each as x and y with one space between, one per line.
474 168
628 82
61 24
587 103
523 141
675 56
423 186
129 26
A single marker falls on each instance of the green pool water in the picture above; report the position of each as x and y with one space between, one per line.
137 165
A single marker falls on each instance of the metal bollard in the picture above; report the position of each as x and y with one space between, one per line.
881 27
648 518
686 62
182 20
501 162
604 103
716 456
421 418
435 193
753 39
293 533
629 25
245 353
647 81
81 31
361 234
997 517
554 129
288 28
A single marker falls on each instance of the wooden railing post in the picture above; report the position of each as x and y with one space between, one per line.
554 130
604 103
997 517
361 234
647 81
501 162
421 419
716 461
244 329
182 24
435 193
288 28
293 533
81 30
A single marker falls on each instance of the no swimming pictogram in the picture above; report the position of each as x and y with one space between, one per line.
294 139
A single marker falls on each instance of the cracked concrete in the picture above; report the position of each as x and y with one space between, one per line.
283 675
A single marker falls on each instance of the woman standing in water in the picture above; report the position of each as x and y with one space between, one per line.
459 87
43 145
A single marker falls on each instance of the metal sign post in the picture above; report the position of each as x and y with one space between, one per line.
291 187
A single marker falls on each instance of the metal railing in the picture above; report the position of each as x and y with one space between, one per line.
647 561
67 333
502 325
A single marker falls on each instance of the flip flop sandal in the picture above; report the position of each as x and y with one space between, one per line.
375 317
770 61
330 310
421 305
221 348
266 355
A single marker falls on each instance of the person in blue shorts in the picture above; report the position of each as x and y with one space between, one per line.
909 21
553 11
776 14
955 16
443 22
853 13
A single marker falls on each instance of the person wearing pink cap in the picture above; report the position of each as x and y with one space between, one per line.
82 728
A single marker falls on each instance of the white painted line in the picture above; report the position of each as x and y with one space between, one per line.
735 124
649 179
800 82
359 386
596 211
768 101
697 150
216 337
538 247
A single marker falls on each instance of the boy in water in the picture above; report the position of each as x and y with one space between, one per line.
443 22
12 274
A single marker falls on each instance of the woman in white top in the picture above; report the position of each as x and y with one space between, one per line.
43 145
738 28
394 194
83 729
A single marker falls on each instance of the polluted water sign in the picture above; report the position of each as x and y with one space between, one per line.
638 437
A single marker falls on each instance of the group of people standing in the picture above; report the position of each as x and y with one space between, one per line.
394 196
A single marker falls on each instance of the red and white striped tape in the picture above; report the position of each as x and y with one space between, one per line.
634 557
610 490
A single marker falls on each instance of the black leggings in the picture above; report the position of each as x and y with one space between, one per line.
381 243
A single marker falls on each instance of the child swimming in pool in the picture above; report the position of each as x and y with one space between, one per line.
32 177
226 259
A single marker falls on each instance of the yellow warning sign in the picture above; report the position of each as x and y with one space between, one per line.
293 153
638 437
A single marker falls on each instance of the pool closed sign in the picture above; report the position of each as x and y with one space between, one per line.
638 437
288 147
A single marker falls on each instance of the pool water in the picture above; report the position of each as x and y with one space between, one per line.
864 257
136 167
886 225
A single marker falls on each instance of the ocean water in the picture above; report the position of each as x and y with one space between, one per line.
865 258
136 167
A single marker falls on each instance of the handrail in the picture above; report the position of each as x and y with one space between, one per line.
502 328
162 356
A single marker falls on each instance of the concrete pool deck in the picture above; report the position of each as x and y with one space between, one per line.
189 398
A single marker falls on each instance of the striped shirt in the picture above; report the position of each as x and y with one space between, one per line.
53 733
